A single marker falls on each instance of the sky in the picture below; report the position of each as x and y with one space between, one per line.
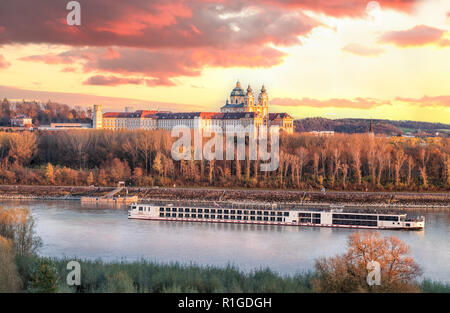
387 59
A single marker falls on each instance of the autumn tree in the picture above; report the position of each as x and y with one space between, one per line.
90 178
22 147
348 272
119 171
399 158
18 225
422 159
157 164
77 142
355 152
50 174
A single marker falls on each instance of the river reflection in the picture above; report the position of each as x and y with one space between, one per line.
69 229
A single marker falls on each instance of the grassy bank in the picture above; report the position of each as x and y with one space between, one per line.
144 276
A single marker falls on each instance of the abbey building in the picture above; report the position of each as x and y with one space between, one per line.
242 108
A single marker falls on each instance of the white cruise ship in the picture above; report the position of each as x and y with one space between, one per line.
293 217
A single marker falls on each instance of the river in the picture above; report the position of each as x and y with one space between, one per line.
68 230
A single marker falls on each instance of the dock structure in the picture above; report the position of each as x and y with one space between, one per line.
111 197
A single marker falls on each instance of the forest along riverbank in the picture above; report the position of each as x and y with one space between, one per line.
389 200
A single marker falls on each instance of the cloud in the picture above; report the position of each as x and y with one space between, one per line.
3 63
158 40
360 103
100 80
158 66
154 24
417 36
341 8
357 103
443 101
109 103
361 50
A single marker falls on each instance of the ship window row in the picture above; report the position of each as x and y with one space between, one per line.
388 218
224 211
355 217
309 220
223 217
354 222
308 215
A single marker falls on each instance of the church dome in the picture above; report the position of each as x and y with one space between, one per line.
238 91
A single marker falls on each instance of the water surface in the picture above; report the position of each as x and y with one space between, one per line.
68 230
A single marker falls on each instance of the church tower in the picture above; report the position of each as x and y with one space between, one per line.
249 99
263 102
97 118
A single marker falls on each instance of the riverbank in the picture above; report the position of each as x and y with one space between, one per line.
389 200
149 277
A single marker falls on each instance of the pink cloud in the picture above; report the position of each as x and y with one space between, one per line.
159 39
417 36
361 50
340 8
153 24
100 80
3 62
162 64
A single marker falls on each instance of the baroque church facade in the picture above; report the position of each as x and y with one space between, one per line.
241 101
240 109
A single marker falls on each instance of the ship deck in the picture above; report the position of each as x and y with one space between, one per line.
271 206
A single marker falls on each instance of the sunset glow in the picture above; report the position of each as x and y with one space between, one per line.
364 59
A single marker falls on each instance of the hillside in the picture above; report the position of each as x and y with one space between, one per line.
352 125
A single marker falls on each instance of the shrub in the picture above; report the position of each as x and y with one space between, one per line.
9 276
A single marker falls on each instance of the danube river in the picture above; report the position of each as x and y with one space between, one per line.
68 230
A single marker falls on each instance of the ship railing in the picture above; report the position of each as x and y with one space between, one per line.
415 219
253 205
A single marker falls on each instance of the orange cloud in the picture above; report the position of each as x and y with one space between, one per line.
361 103
357 103
443 101
361 50
417 36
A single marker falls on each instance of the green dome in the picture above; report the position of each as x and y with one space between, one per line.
237 91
